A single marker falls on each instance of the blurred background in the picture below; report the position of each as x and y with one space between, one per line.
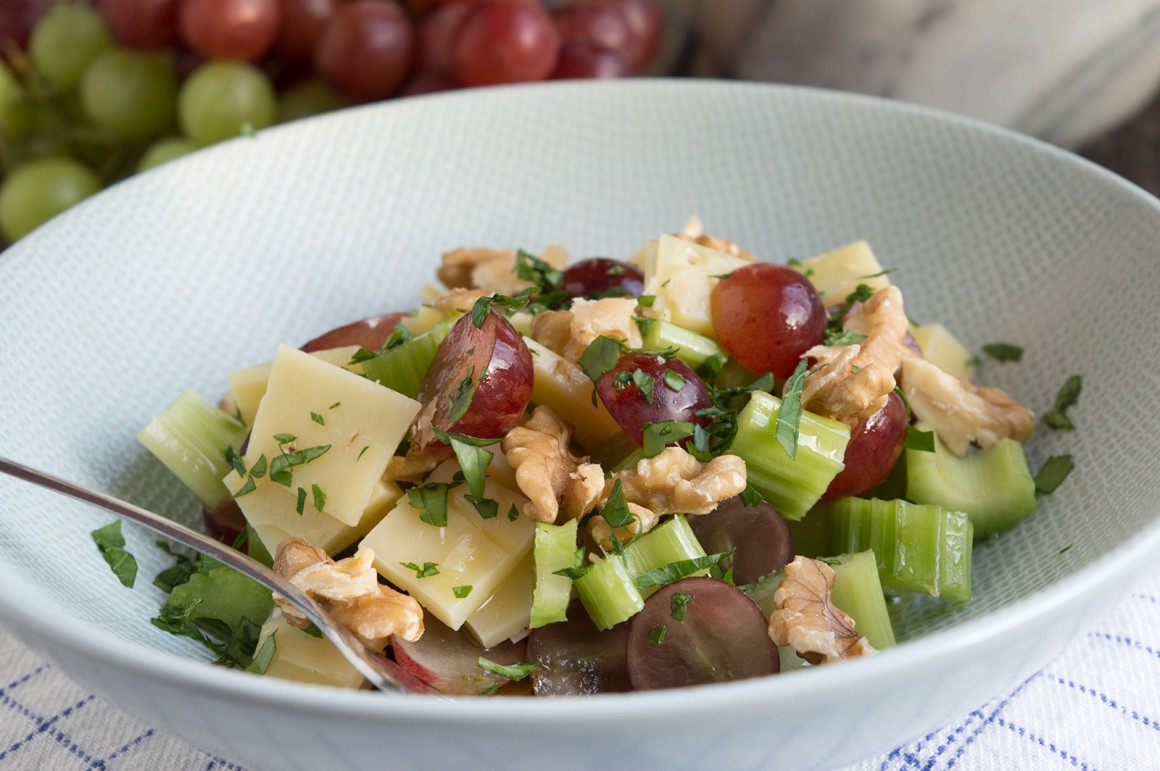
93 91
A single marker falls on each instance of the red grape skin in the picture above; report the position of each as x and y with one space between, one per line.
874 448
301 28
645 25
598 25
17 18
584 60
370 333
366 49
145 25
759 538
576 658
229 29
506 42
496 350
429 82
602 276
435 36
632 410
767 316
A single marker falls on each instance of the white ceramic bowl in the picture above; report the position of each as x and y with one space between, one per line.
180 275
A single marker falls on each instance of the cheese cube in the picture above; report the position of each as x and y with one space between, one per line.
680 275
837 273
304 658
248 385
508 612
565 388
943 349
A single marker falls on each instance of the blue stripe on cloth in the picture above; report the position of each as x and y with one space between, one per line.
1033 737
1108 700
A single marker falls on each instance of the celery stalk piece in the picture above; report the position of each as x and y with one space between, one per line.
692 348
403 367
554 549
919 548
792 485
671 541
608 592
993 487
858 591
191 438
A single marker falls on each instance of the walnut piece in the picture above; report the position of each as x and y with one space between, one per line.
492 270
694 230
556 482
672 482
456 301
851 382
807 619
570 332
349 590
960 412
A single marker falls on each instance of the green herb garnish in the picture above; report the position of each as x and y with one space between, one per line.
656 436
513 672
1051 475
426 571
1003 351
678 605
1067 398
462 399
674 571
790 415
111 544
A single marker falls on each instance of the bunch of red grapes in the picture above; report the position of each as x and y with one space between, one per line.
92 91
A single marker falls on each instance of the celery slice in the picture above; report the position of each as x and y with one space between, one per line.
994 487
919 548
858 591
191 438
671 541
691 348
608 592
554 549
403 367
792 485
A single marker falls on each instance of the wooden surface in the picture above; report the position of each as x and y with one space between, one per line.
1133 150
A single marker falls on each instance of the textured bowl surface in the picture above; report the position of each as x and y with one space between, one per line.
175 278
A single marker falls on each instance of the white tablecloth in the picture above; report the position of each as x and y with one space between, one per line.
1095 707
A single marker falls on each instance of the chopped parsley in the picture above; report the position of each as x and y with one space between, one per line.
675 380
645 383
473 460
750 497
600 357
461 591
513 513
1067 398
426 571
431 501
656 635
646 300
317 418
513 672
264 655
678 605
918 439
1051 475
319 497
658 435
508 305
673 571
1003 351
790 415
300 507
461 401
111 544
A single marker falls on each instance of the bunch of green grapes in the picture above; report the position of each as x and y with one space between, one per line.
92 92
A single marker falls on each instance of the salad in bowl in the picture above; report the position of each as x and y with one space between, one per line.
558 477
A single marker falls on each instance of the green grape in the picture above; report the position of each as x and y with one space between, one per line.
130 93
9 94
163 151
65 40
223 99
40 190
311 97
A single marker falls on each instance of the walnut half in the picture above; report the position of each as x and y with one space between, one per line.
349 590
807 619
557 483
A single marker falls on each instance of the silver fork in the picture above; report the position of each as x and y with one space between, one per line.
366 661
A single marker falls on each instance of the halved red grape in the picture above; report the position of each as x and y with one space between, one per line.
647 388
145 25
585 61
229 29
875 446
479 383
698 630
301 28
602 277
430 82
505 42
366 49
370 333
576 658
448 661
767 316
759 537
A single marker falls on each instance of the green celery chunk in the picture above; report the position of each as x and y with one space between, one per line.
403 367
792 485
608 592
669 542
191 438
994 487
554 549
691 348
858 591
919 548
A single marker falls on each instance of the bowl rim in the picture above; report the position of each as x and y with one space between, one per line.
928 653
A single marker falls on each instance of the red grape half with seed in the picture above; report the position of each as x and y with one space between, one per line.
602 277
647 388
767 316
